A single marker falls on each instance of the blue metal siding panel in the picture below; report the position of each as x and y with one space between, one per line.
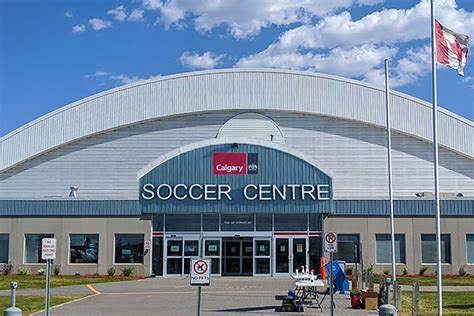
69 208
275 167
132 208
402 207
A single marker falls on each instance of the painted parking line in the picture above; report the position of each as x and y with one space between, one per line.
93 289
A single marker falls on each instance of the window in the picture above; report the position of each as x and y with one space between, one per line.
470 248
83 248
383 245
428 248
237 222
348 248
264 222
315 222
33 247
210 222
129 248
4 248
290 222
158 222
183 222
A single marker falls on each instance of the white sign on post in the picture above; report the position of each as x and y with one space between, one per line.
200 272
330 242
147 244
48 248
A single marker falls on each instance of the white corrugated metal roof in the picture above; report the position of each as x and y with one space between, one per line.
243 89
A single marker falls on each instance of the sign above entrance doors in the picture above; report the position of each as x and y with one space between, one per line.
235 163
271 180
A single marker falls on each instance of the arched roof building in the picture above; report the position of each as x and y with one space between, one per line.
310 144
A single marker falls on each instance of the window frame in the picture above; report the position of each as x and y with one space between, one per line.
69 249
24 248
467 253
8 249
128 264
389 263
434 263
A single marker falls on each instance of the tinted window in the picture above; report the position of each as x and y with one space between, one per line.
210 222
383 245
428 248
290 222
183 222
347 245
84 248
33 247
129 248
237 222
264 222
4 248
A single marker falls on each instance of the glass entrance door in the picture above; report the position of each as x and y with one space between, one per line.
179 252
290 254
237 257
157 260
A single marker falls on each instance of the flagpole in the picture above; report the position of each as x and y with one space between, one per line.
390 188
435 150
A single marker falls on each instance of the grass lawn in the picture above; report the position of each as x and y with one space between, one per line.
454 303
431 280
33 303
39 281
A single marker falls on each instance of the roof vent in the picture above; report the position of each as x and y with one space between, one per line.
73 191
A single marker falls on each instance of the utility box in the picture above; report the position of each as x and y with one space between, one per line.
387 310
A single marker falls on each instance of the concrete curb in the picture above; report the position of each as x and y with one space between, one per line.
66 303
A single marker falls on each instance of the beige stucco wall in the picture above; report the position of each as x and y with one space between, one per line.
412 227
106 227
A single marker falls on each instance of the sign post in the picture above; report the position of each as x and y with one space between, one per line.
48 253
200 275
330 245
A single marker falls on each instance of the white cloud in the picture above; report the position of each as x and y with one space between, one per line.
68 14
122 79
98 73
243 17
136 15
79 28
414 65
208 60
99 24
355 62
119 13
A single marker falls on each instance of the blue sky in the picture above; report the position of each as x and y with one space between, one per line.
56 52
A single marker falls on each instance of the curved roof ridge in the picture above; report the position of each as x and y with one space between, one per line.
165 96
227 70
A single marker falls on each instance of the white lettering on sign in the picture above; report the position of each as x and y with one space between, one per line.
200 272
227 168
217 192
48 248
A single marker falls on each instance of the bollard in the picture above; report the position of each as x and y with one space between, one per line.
387 309
13 311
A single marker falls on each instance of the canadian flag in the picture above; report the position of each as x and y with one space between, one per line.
451 48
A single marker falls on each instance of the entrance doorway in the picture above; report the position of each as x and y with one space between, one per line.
290 254
237 256
179 252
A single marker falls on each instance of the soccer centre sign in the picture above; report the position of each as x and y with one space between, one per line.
254 179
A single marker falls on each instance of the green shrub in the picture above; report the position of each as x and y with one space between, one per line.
110 271
422 270
127 271
56 269
386 271
349 271
462 271
7 268
405 271
22 271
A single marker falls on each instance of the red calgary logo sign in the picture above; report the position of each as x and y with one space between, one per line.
234 163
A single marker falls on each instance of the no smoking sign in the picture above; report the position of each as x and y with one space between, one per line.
200 272
330 242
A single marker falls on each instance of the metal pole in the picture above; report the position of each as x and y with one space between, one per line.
435 150
48 283
390 187
201 255
331 287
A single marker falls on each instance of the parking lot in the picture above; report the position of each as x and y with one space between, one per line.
174 296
